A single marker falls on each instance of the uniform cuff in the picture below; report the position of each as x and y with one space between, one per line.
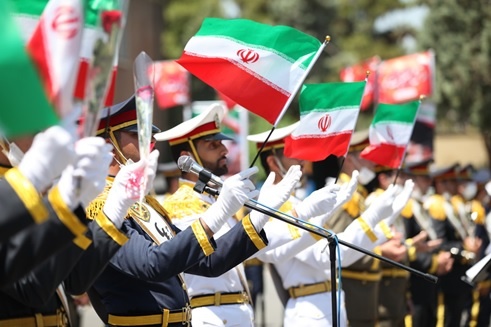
252 233
28 194
200 234
107 226
64 213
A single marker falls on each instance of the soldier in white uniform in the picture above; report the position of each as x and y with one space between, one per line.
305 270
224 300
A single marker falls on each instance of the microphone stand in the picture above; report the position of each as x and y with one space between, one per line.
201 186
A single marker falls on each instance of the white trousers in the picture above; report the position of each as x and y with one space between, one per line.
230 315
314 311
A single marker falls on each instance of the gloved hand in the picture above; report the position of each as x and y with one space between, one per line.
400 201
275 195
381 208
50 153
83 180
345 193
236 190
347 190
318 203
125 190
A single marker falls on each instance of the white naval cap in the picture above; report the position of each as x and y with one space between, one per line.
207 124
277 138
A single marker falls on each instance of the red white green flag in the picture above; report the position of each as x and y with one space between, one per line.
256 65
27 14
390 132
55 46
328 114
24 107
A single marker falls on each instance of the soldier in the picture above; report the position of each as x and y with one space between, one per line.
393 285
305 270
360 279
201 138
454 294
64 217
473 213
423 255
143 285
38 298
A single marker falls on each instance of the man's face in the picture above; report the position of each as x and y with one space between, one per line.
128 142
288 162
213 155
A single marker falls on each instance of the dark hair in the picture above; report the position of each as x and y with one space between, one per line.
178 148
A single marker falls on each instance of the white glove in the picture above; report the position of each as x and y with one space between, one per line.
320 202
275 195
381 208
50 153
83 180
347 190
125 190
236 190
400 201
344 194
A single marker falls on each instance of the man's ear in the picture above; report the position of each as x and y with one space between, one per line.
273 166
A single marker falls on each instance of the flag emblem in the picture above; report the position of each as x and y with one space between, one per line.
66 21
248 56
324 122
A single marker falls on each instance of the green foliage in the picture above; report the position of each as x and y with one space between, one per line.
460 34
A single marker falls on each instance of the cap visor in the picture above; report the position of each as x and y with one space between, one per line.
134 129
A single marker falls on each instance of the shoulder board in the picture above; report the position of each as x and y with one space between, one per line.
183 203
407 212
434 206
287 206
477 207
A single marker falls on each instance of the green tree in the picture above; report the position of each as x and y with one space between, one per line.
460 34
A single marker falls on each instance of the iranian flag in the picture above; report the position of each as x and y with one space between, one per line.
390 132
24 107
28 12
256 65
328 114
54 47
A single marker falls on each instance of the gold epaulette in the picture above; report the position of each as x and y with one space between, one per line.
407 212
184 202
434 206
478 208
287 206
456 201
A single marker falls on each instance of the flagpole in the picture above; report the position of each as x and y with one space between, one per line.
357 114
405 148
294 92
299 84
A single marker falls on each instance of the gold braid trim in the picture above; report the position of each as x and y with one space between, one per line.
202 238
64 213
366 228
252 233
28 195
111 230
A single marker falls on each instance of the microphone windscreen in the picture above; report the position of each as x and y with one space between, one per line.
184 163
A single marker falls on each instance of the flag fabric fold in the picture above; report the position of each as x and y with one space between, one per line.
390 132
328 114
54 47
256 65
27 14
24 107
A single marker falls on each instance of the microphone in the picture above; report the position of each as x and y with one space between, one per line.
187 164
